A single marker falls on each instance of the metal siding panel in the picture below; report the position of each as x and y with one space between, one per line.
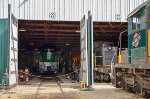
113 10
123 9
40 14
25 10
76 9
131 5
3 8
28 4
100 10
57 9
32 7
35 10
138 53
67 9
16 9
105 10
118 9
61 16
126 10
71 10
58 6
13 6
3 47
95 9
148 45
21 9
108 10
80 9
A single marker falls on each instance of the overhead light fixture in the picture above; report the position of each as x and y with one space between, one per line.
49 49
67 44
77 31
22 30
35 49
37 52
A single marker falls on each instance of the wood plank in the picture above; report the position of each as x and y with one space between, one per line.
62 30
72 25
49 34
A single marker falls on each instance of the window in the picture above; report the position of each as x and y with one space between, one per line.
136 22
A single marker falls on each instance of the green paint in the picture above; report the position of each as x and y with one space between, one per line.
52 59
142 41
137 53
3 47
143 18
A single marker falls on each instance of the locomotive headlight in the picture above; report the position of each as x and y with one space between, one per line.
109 48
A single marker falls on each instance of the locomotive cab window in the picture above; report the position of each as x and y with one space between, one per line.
136 22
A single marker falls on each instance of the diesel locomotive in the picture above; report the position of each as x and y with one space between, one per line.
135 75
49 63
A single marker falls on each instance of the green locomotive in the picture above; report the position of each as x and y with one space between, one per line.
135 75
49 62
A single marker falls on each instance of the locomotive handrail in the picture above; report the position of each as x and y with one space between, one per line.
119 43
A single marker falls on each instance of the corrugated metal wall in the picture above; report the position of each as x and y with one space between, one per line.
3 47
71 10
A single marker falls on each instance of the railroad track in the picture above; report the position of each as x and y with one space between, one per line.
49 78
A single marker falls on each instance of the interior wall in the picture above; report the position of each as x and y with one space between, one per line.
29 59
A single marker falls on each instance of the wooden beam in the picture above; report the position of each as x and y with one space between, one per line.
72 25
50 34
107 31
51 25
35 40
51 30
110 26
66 31
52 38
51 43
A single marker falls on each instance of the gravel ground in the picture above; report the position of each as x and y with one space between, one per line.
49 89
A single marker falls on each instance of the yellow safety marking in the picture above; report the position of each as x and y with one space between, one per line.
119 58
82 84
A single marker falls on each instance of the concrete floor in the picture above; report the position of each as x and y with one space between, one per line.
49 89
107 91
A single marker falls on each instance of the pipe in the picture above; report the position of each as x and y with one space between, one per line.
119 42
